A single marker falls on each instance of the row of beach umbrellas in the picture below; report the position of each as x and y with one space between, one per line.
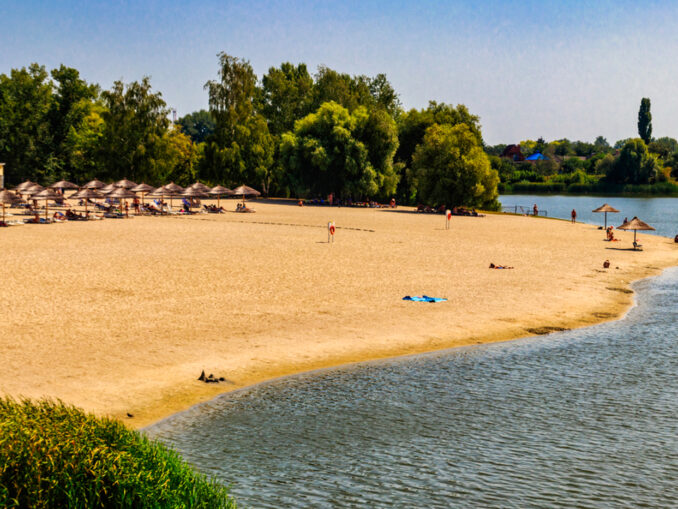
123 189
635 224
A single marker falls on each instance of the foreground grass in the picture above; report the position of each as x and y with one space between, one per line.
54 455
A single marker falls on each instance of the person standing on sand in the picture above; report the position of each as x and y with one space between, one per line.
574 216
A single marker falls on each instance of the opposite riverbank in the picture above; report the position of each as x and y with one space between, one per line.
121 316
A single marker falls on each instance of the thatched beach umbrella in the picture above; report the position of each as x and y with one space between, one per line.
635 224
163 192
193 193
46 194
143 189
121 194
34 189
94 184
606 208
108 189
245 191
87 194
125 184
200 187
7 198
63 185
24 185
220 191
173 187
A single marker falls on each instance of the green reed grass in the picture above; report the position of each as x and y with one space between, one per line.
55 455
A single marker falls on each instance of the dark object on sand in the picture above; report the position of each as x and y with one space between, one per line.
129 415
202 376
606 264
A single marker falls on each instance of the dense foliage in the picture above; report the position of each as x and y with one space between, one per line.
453 169
53 455
290 133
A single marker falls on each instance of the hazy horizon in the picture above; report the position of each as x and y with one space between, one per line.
528 69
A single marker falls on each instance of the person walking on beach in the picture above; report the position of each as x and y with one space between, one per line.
535 210
574 216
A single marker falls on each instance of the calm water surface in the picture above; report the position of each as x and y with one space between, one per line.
583 418
661 213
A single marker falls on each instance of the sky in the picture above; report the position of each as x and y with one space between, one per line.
560 69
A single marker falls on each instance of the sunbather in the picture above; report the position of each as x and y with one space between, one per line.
493 266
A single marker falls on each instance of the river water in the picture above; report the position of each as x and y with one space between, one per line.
661 213
581 418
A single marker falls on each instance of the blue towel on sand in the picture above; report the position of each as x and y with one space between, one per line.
424 298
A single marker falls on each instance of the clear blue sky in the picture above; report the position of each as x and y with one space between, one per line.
553 69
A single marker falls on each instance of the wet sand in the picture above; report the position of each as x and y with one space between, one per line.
121 316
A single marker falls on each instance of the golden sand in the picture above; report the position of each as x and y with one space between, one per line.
121 316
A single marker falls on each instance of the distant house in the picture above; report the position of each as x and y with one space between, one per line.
537 156
513 153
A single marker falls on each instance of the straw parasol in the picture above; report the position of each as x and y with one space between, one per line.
34 189
7 198
200 187
24 185
143 189
94 184
126 184
173 187
121 193
635 224
163 192
108 189
87 194
193 193
245 191
219 191
606 208
46 194
63 185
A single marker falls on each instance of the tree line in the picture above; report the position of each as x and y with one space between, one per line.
290 133
644 163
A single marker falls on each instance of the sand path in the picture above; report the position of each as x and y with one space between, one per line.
121 316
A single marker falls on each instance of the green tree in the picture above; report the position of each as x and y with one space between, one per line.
334 150
635 164
241 147
135 121
453 170
82 145
412 127
601 144
663 146
645 120
287 96
198 125
25 133
73 100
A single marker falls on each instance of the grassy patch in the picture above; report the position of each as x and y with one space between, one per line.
55 455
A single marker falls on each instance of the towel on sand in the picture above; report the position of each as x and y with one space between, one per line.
424 298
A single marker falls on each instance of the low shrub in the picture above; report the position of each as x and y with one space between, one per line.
55 455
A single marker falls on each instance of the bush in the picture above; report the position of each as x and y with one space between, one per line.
54 455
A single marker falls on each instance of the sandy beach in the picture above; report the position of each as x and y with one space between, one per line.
121 316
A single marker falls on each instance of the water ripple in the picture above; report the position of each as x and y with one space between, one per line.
583 418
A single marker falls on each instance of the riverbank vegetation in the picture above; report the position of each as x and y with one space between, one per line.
290 134
54 455
634 166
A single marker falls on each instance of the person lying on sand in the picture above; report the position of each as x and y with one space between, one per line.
493 266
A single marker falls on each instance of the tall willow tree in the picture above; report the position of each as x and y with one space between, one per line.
337 151
240 150
454 170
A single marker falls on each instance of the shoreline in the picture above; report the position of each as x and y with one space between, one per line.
378 360
264 379
133 310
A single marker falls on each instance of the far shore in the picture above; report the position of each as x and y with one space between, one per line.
121 316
